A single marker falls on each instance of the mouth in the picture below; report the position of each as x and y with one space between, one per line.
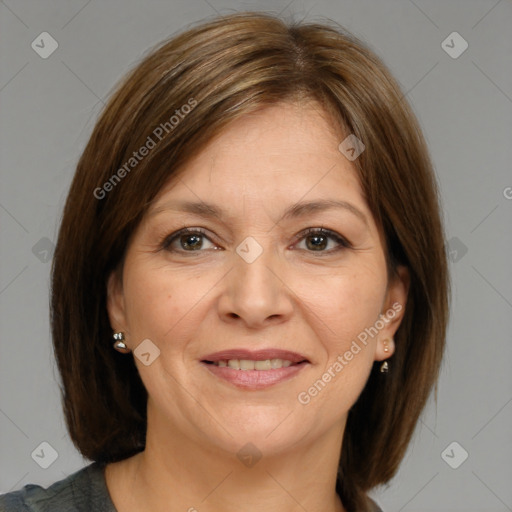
249 364
255 369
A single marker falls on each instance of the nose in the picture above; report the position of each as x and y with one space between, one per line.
255 292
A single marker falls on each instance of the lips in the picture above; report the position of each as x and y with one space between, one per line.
256 355
254 370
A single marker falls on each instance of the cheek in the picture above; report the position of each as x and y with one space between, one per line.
343 305
151 306
352 305
161 304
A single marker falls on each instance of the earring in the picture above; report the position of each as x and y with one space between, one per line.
384 367
119 344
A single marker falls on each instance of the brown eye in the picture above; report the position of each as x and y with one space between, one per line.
317 240
191 241
186 240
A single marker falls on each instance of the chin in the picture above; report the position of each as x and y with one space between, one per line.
268 433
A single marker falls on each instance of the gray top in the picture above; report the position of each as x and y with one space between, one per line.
83 491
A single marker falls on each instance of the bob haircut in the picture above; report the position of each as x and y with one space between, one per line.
181 95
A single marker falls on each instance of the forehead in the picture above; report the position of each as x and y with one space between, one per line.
281 153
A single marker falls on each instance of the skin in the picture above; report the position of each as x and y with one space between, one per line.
294 296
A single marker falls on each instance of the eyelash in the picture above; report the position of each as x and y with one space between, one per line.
343 243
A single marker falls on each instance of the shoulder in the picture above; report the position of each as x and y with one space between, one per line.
83 490
376 507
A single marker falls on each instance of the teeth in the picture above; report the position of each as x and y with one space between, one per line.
263 365
247 364
276 363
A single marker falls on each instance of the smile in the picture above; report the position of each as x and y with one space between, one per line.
254 370
248 364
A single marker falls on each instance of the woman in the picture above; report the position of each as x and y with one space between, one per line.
254 224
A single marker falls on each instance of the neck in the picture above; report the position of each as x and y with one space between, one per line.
174 473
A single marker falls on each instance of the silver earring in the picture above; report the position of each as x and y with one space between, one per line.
384 367
119 344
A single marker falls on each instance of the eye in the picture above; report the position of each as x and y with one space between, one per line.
193 240
186 240
317 239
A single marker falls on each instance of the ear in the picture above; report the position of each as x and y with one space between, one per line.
393 310
115 302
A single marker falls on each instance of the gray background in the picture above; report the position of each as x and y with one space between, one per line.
48 109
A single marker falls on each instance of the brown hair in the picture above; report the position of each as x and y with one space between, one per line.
222 70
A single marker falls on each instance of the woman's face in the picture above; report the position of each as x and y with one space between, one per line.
253 285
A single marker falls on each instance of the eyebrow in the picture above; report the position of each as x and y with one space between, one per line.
300 209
